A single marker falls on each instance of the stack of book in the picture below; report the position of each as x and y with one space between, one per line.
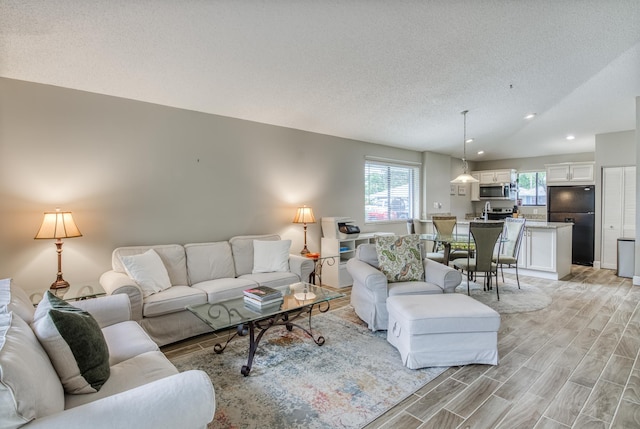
263 298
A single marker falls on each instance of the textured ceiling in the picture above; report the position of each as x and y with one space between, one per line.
391 72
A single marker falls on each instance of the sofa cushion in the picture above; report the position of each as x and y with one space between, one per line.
367 253
126 340
148 271
272 279
400 258
221 289
29 386
13 298
172 255
75 344
209 261
242 249
176 298
270 256
126 375
413 288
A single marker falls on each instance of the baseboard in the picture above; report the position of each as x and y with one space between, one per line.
596 265
636 280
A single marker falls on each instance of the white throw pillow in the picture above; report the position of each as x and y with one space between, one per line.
148 271
13 298
271 256
29 386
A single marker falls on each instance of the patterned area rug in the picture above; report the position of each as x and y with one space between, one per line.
349 381
512 299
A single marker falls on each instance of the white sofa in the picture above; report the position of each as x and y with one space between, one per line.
370 286
199 273
143 390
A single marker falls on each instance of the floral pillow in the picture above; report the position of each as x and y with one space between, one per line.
399 258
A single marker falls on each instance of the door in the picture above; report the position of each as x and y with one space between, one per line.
618 211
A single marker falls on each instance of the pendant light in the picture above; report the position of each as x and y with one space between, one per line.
465 177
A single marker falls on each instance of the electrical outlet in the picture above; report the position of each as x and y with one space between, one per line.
435 205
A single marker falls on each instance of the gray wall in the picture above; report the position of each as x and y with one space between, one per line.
139 173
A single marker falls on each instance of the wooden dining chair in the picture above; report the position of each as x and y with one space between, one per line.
484 235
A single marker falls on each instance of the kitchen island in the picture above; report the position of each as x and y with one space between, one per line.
545 251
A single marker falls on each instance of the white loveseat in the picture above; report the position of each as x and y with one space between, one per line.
198 273
370 286
143 389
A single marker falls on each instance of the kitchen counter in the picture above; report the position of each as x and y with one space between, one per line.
530 223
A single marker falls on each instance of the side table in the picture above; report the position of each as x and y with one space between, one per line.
319 261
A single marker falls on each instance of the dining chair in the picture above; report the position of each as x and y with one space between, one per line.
510 249
444 226
484 235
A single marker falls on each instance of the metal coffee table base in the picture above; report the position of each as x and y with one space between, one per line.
286 319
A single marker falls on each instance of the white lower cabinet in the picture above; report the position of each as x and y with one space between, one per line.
546 250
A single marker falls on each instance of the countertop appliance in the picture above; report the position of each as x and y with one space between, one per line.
575 204
498 191
499 213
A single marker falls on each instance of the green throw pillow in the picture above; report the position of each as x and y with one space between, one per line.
399 258
75 344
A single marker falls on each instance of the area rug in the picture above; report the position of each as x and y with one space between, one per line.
512 299
349 381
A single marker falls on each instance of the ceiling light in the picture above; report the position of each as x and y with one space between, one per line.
465 177
480 152
571 137
468 141
530 116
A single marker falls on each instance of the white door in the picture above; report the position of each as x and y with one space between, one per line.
611 215
618 211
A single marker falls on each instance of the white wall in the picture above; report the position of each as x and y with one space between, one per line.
139 173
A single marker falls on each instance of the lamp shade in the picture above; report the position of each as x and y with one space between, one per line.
58 224
465 178
304 215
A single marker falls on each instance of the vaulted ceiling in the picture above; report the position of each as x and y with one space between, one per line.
396 73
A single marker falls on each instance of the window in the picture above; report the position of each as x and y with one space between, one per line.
532 188
390 190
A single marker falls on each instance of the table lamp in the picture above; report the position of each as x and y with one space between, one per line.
58 225
304 215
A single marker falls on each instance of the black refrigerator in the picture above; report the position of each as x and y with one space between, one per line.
575 204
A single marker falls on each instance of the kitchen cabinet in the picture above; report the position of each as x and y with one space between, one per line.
570 173
546 250
618 211
496 176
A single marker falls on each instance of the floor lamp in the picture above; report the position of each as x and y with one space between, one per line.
58 225
304 215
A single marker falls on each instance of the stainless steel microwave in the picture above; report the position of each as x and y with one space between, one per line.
498 191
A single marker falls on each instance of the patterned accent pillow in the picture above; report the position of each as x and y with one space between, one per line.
399 258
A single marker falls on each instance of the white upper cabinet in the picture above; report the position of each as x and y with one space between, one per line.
496 176
570 173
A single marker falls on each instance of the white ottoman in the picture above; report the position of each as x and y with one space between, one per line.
442 330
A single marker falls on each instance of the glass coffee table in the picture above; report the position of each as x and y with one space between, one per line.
299 299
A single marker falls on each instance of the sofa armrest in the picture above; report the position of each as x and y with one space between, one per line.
301 266
364 275
445 277
185 400
107 310
113 283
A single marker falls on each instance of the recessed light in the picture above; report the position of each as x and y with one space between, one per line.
530 116
571 137
468 141
480 152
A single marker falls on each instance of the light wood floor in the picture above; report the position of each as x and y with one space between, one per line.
573 364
